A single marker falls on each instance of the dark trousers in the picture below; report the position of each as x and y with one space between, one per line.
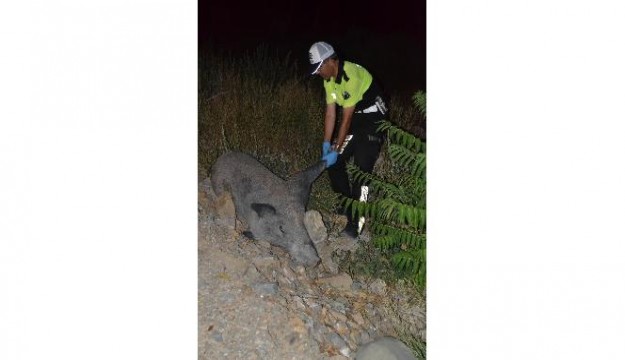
365 150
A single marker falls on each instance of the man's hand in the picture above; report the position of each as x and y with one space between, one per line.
330 158
325 148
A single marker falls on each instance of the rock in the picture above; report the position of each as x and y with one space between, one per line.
300 270
316 330
365 337
305 289
263 244
411 319
202 201
339 344
378 287
315 227
217 336
298 302
338 315
357 285
266 265
341 281
319 235
264 289
251 274
284 282
298 326
339 304
289 274
315 272
341 328
358 319
265 262
230 266
223 210
329 265
385 348
345 244
313 306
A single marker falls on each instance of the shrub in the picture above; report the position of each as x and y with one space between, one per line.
397 211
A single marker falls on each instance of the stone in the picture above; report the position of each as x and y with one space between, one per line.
341 328
265 261
315 227
298 302
251 274
217 336
358 319
298 326
263 244
264 289
328 263
378 286
341 281
345 244
387 348
223 210
338 343
230 266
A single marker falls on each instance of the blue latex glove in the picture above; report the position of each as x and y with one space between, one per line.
326 148
330 158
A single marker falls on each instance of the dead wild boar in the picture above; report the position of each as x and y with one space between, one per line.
273 208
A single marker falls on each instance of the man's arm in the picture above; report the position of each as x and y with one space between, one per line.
330 121
347 120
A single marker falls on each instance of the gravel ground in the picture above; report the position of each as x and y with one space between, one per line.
253 303
235 320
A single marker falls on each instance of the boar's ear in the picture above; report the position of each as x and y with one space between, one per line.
300 183
263 209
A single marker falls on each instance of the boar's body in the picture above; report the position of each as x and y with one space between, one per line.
272 207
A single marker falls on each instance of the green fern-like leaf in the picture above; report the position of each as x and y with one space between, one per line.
402 137
386 242
412 262
419 101
396 206
404 235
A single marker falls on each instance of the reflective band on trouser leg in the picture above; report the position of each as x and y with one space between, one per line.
345 142
364 194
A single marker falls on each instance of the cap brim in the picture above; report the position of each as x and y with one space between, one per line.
314 67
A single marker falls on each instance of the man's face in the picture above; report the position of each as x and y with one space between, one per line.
325 70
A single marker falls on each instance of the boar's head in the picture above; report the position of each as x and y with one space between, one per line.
282 221
285 228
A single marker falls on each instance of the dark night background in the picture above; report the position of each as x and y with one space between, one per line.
387 37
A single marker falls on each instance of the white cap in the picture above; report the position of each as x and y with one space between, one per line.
318 52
